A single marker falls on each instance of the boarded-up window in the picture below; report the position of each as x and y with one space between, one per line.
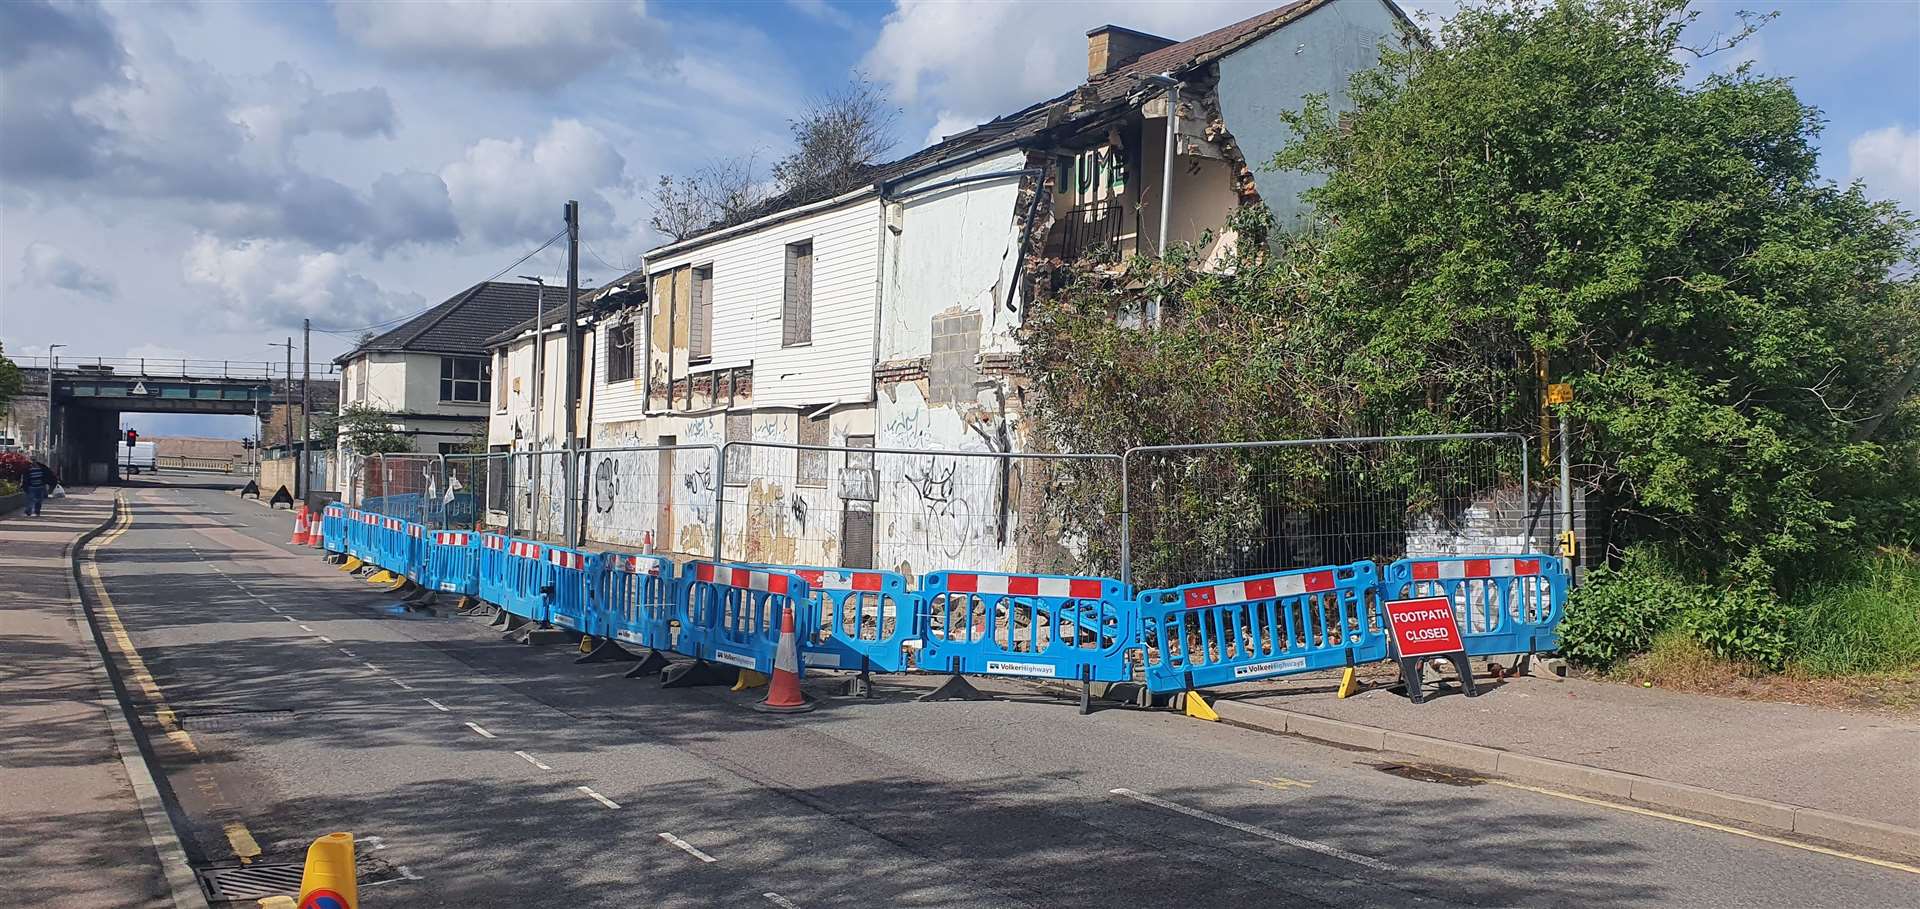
811 469
739 429
500 381
700 344
620 352
858 481
796 311
496 479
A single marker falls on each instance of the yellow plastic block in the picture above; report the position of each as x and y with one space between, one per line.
749 679
1349 686
1198 708
278 902
330 870
352 563
586 643
382 576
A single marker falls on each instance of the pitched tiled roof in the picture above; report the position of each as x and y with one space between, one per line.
625 290
1095 97
463 322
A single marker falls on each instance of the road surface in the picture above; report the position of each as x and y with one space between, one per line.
479 773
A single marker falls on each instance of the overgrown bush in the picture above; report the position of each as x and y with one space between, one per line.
1746 624
1617 612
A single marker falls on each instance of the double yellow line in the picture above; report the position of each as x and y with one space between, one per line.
245 848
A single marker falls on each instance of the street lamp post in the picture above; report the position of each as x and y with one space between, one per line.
53 363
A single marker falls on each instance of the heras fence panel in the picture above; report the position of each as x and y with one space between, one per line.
453 562
736 610
529 581
468 491
641 599
910 510
536 493
1242 629
570 606
1504 604
651 499
406 486
1043 626
1195 513
496 572
333 528
865 620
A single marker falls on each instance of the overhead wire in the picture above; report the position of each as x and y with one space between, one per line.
389 323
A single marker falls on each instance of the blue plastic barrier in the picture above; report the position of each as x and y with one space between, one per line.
1258 627
860 619
360 535
333 528
453 563
570 605
641 599
390 544
733 613
416 554
529 581
1504 604
1040 626
496 576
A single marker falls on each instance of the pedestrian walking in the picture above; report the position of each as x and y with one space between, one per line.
38 482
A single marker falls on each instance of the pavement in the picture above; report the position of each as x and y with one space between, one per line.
288 700
71 828
1855 765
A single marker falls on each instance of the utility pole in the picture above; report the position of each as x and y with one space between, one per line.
300 467
286 393
570 536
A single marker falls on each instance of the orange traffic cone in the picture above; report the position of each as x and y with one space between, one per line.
783 693
300 526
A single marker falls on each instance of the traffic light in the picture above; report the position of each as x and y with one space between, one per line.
246 444
133 435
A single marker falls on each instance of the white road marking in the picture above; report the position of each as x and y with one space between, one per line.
1262 832
370 666
348 652
403 685
525 756
688 847
274 608
291 619
610 803
780 901
439 706
306 628
325 640
480 729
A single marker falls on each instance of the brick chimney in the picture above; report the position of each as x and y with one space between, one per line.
1110 47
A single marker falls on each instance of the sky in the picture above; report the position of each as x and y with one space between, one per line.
183 179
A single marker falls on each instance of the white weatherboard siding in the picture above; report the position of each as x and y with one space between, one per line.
749 274
955 251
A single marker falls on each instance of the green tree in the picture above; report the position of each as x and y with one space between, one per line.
363 430
10 380
1548 178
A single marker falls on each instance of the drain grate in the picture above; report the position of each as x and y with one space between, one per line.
222 720
251 882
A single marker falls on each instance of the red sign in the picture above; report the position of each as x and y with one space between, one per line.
1424 627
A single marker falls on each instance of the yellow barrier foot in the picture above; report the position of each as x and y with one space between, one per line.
329 872
351 564
382 576
1198 708
586 643
1349 685
748 679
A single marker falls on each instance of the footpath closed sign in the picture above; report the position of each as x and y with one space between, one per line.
1424 627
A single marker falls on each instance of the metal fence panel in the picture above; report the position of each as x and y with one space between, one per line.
1202 512
652 498
404 486
904 510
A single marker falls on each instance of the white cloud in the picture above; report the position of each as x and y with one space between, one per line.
975 61
511 191
517 44
822 11
272 284
1888 161
47 265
